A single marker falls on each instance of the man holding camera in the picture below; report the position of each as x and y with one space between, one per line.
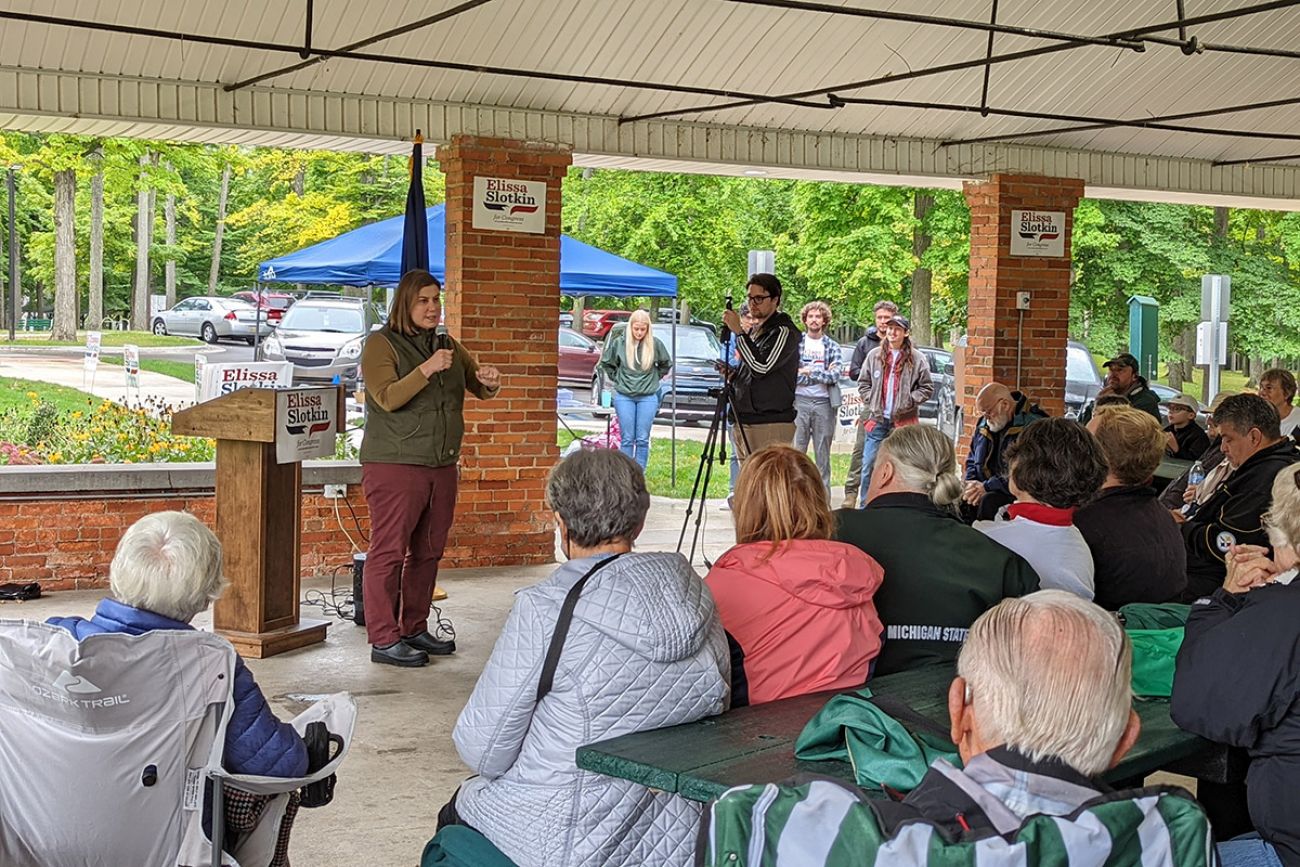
764 382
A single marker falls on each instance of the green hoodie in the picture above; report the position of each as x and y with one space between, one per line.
627 380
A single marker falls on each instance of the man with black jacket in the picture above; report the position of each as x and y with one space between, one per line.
883 312
1252 440
763 408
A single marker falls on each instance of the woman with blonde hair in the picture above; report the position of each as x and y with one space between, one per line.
634 362
797 606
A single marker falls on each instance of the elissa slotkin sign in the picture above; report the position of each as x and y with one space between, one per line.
508 205
305 424
1037 233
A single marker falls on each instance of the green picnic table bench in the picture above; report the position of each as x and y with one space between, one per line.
701 760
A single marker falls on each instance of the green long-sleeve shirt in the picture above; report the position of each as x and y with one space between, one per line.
628 380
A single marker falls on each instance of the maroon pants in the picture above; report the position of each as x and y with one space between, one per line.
411 508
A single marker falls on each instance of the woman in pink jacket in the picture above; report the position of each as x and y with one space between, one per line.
797 606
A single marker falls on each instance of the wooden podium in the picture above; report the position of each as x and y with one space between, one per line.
259 512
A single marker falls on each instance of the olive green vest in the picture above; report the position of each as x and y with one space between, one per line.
429 428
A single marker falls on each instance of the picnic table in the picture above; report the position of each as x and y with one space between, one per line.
701 760
1170 469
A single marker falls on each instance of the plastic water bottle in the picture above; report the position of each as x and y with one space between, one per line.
1195 476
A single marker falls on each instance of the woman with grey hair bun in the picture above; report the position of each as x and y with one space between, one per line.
940 575
613 642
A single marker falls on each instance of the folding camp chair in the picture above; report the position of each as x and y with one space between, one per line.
106 745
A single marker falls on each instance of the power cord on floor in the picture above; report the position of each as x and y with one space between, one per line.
337 602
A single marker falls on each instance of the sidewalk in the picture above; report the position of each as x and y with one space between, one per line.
109 380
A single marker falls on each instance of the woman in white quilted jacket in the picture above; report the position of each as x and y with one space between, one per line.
644 649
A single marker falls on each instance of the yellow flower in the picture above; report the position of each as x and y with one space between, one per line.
76 414
33 395
56 457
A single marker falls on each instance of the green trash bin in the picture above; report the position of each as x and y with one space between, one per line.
1144 334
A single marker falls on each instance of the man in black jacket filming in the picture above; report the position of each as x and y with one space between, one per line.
1252 440
763 405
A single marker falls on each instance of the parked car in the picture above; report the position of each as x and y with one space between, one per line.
579 356
693 356
273 303
666 320
1082 379
213 318
943 406
322 337
566 319
597 323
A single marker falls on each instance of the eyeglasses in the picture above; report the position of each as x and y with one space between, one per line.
754 299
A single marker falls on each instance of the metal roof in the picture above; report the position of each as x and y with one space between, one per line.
511 68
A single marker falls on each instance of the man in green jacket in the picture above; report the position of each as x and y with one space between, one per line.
1124 379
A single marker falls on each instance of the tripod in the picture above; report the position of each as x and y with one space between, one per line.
715 448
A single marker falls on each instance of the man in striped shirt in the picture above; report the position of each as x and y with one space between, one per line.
763 408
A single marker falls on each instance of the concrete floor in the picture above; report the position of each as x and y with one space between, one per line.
402 766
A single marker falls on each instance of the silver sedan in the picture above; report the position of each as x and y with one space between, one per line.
211 318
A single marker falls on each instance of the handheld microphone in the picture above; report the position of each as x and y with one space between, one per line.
441 341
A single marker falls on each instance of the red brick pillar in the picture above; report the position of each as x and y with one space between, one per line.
995 331
502 299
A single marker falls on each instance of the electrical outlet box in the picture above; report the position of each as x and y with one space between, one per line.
1022 300
335 492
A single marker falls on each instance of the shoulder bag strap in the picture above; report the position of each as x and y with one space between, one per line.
547 679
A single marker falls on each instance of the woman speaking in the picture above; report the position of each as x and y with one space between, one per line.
416 379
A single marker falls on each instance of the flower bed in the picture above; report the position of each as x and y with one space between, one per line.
39 432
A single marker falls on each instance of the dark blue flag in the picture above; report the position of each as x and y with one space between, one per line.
415 230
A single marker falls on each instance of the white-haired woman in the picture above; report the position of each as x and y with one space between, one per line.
166 569
1236 678
643 649
634 362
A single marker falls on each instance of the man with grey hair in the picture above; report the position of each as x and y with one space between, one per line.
1040 707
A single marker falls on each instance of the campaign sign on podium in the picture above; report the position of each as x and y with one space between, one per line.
262 435
306 420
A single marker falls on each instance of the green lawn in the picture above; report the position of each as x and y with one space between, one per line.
110 338
179 369
14 393
659 469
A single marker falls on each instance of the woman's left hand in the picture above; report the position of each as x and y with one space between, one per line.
489 376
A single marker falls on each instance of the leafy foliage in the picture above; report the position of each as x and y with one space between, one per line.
847 244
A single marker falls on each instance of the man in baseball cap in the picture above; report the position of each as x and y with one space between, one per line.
1124 379
1184 438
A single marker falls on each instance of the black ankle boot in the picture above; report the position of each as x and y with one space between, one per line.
399 653
430 645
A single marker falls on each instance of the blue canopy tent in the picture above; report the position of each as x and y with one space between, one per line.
372 256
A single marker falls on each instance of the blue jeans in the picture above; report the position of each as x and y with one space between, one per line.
1248 850
875 437
636 415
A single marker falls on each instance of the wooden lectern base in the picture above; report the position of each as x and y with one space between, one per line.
263 644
